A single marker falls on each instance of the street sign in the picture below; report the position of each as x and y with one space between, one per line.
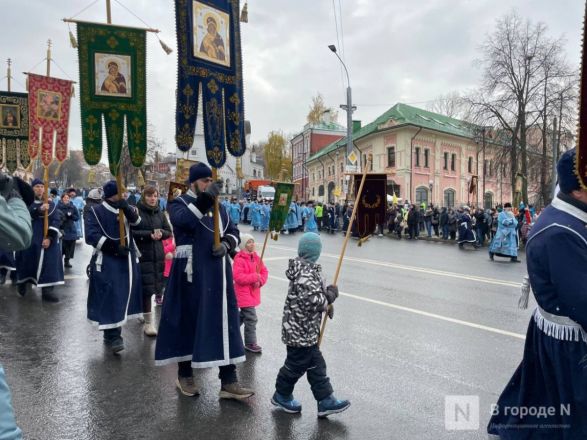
351 169
353 158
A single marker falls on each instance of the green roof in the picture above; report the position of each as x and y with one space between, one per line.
401 115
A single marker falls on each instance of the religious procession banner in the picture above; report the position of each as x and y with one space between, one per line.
113 82
372 205
14 130
210 64
281 202
49 102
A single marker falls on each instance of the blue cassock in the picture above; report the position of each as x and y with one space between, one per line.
553 372
79 203
200 317
7 260
505 242
245 213
291 221
43 267
235 213
265 216
115 292
466 233
256 215
310 225
300 214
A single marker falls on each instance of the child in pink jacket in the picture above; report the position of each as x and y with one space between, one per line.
249 274
169 251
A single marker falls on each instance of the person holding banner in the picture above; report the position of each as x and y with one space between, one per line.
199 325
115 290
42 263
307 298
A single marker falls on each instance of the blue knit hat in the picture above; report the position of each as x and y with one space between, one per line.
199 171
567 178
36 182
310 246
110 189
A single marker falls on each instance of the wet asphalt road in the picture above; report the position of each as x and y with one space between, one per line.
415 321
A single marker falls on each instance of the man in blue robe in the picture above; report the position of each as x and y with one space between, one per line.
114 293
310 224
265 215
235 212
256 215
7 266
78 202
41 264
291 221
199 325
505 242
300 213
466 232
547 396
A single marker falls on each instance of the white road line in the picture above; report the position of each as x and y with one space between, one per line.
423 313
425 270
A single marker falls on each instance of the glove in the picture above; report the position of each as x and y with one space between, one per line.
330 311
213 190
6 185
120 204
331 293
221 250
122 251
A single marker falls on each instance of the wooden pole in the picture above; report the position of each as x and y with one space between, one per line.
9 73
344 245
216 211
108 12
265 244
46 171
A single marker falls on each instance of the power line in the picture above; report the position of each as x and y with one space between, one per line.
338 43
341 30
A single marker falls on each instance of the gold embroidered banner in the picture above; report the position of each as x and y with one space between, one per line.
14 130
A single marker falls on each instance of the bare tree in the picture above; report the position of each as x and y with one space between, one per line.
452 105
520 64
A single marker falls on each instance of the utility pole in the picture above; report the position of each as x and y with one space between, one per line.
554 155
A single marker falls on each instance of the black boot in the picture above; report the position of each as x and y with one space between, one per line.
515 260
2 276
48 295
67 265
491 256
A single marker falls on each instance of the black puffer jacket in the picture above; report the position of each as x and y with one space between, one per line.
152 260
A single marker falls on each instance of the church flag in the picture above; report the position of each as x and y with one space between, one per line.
14 130
210 64
372 204
113 82
281 202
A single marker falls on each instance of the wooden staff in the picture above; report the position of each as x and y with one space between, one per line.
346 240
46 167
265 243
216 211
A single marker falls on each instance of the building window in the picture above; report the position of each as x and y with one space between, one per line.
342 167
488 201
321 190
313 177
449 198
391 157
470 166
421 195
417 154
453 162
313 192
426 158
490 168
254 173
445 167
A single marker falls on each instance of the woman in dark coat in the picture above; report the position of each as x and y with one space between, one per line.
69 215
149 235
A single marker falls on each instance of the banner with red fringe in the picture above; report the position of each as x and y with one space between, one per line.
49 103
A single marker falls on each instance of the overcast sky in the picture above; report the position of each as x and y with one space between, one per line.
407 51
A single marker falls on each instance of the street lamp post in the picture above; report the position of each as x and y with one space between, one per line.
431 186
349 113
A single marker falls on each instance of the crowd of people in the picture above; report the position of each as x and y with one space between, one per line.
144 251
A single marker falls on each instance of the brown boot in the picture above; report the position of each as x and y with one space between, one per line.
186 386
235 391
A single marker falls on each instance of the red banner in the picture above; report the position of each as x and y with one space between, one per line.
49 101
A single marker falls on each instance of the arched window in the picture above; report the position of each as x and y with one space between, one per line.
449 197
254 173
421 195
321 190
488 200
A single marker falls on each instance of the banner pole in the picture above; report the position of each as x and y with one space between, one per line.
265 243
344 245
216 211
46 168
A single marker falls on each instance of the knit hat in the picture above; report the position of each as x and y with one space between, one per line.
36 182
310 246
567 177
199 171
110 189
244 239
95 194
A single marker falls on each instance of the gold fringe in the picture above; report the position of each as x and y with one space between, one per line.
165 47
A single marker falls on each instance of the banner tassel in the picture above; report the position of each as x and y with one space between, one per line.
165 47
245 13
72 40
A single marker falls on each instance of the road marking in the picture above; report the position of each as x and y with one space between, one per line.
427 314
425 270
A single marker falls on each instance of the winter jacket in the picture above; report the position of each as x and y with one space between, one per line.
246 276
69 215
168 247
152 260
443 217
304 304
